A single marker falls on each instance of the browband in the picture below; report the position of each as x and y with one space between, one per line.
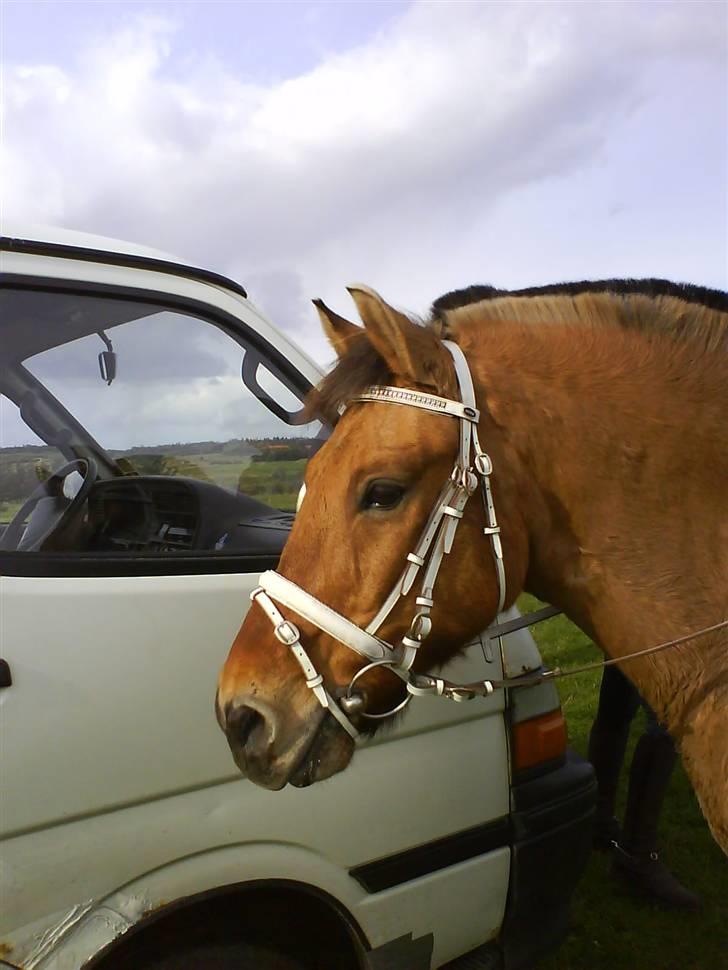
418 399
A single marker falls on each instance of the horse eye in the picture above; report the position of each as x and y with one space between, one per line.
382 495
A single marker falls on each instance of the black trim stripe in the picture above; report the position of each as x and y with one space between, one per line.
39 248
424 859
118 564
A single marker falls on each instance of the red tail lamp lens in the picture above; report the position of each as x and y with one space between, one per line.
539 739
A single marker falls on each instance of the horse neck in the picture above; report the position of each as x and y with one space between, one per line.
620 491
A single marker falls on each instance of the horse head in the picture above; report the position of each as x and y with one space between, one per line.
369 493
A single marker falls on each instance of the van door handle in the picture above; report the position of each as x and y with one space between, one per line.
6 679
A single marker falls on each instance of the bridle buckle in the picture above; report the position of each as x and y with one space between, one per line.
483 464
287 633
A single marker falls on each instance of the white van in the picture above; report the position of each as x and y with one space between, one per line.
152 447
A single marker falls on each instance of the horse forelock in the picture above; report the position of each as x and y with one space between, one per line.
359 368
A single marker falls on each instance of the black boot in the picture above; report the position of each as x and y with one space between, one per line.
636 861
606 753
650 877
618 703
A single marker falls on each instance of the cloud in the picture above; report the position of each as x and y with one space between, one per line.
389 159
281 294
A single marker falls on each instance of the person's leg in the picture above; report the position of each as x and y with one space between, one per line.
636 857
618 702
649 778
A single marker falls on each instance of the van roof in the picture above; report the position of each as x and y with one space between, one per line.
57 236
68 243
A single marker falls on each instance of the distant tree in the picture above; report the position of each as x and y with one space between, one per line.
42 470
172 465
19 478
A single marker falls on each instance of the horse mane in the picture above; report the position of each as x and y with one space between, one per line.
680 311
703 295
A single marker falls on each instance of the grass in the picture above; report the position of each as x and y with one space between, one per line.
612 930
274 482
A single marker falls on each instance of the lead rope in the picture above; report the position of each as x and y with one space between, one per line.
466 692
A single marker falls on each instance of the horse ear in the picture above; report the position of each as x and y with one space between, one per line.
408 350
338 330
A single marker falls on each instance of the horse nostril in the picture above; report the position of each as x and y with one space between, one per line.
245 724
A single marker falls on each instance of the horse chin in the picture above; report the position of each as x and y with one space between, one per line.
330 751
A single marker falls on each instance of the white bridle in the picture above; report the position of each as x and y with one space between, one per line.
472 468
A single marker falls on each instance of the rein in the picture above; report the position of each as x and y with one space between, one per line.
471 473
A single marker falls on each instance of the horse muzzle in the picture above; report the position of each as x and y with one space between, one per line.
273 748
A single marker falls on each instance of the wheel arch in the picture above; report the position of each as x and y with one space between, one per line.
251 912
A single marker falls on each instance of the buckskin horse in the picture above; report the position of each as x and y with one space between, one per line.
590 422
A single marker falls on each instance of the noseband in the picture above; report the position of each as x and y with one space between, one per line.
472 471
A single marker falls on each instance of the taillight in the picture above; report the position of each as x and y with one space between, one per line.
538 739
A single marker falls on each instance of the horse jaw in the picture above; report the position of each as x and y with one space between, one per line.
330 752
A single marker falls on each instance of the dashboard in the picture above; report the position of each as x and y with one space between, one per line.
155 513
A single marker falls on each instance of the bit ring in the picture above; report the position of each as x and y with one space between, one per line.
360 673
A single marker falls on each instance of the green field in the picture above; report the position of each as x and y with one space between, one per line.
8 510
273 482
612 930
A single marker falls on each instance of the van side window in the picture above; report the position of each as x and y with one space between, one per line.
188 455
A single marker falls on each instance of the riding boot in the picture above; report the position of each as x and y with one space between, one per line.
618 703
636 860
607 745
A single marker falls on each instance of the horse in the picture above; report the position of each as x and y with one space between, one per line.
602 408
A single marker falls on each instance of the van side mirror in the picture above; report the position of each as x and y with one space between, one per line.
107 360
107 365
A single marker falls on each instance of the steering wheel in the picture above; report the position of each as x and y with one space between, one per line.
50 508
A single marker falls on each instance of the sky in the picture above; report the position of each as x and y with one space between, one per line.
416 147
